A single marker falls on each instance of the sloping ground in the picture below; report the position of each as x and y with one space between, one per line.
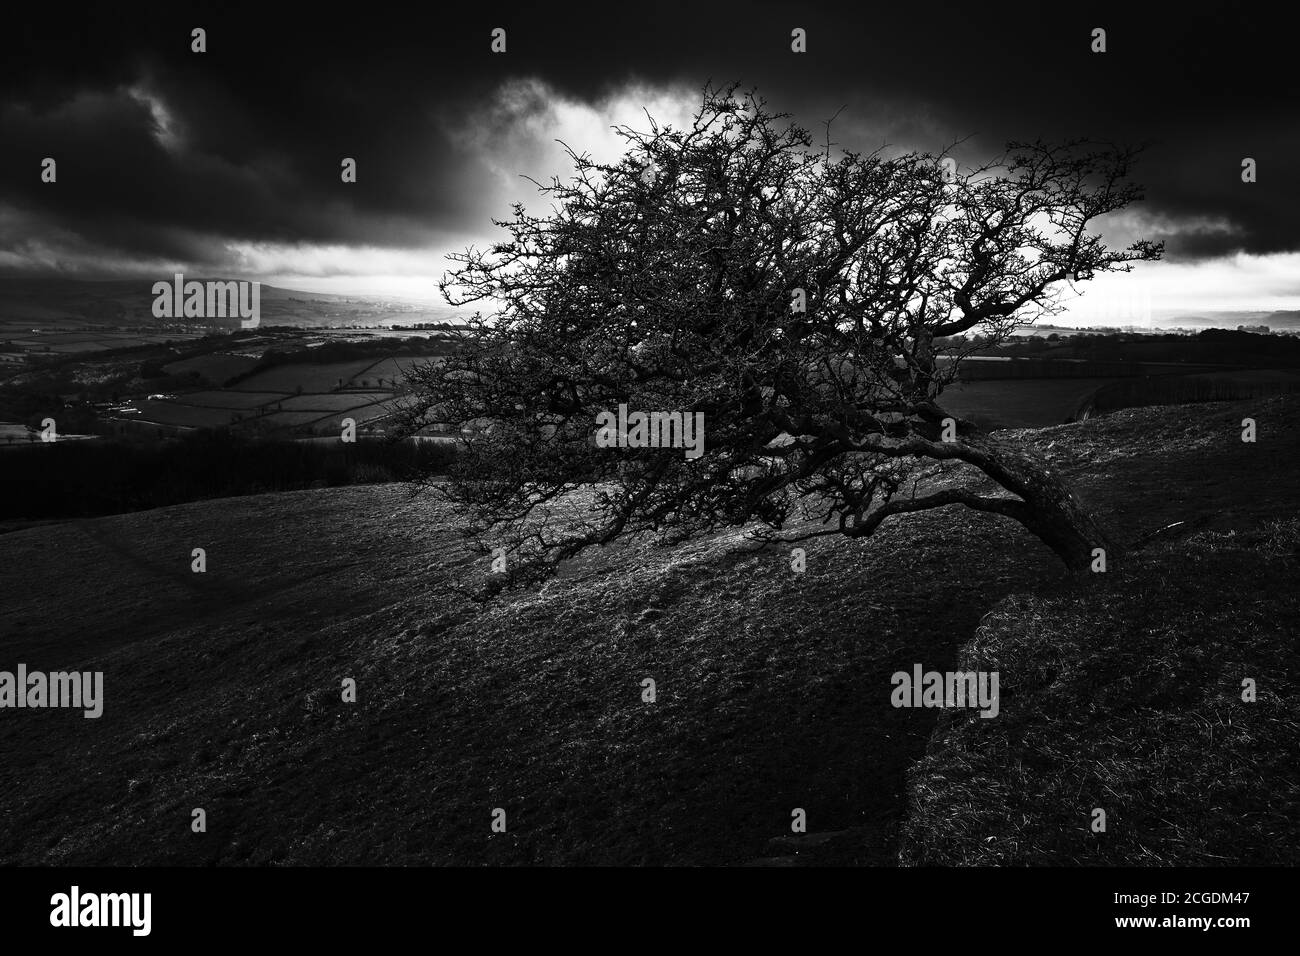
1128 698
223 689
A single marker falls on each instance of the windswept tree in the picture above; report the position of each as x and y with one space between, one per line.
792 295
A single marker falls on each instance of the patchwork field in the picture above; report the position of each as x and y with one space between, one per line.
1019 403
73 342
287 397
287 419
333 402
185 416
1233 385
312 378
392 370
362 416
221 398
275 410
216 368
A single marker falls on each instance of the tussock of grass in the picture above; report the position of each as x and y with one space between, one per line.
1128 697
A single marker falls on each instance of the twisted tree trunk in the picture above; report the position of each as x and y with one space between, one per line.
1050 510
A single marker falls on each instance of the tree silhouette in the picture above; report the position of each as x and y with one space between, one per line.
793 297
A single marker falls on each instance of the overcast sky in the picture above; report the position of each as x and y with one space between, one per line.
227 162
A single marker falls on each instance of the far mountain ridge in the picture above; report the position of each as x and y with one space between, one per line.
58 303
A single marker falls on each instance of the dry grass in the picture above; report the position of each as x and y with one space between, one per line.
1128 697
222 690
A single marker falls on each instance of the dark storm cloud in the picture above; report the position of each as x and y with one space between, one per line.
167 154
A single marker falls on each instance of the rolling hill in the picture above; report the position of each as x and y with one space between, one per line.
59 303
222 689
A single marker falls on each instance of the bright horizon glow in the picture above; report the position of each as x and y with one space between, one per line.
515 136
1153 293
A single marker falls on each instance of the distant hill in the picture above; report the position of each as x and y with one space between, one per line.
59 303
1276 321
1283 320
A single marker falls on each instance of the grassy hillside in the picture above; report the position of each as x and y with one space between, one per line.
1128 698
223 689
